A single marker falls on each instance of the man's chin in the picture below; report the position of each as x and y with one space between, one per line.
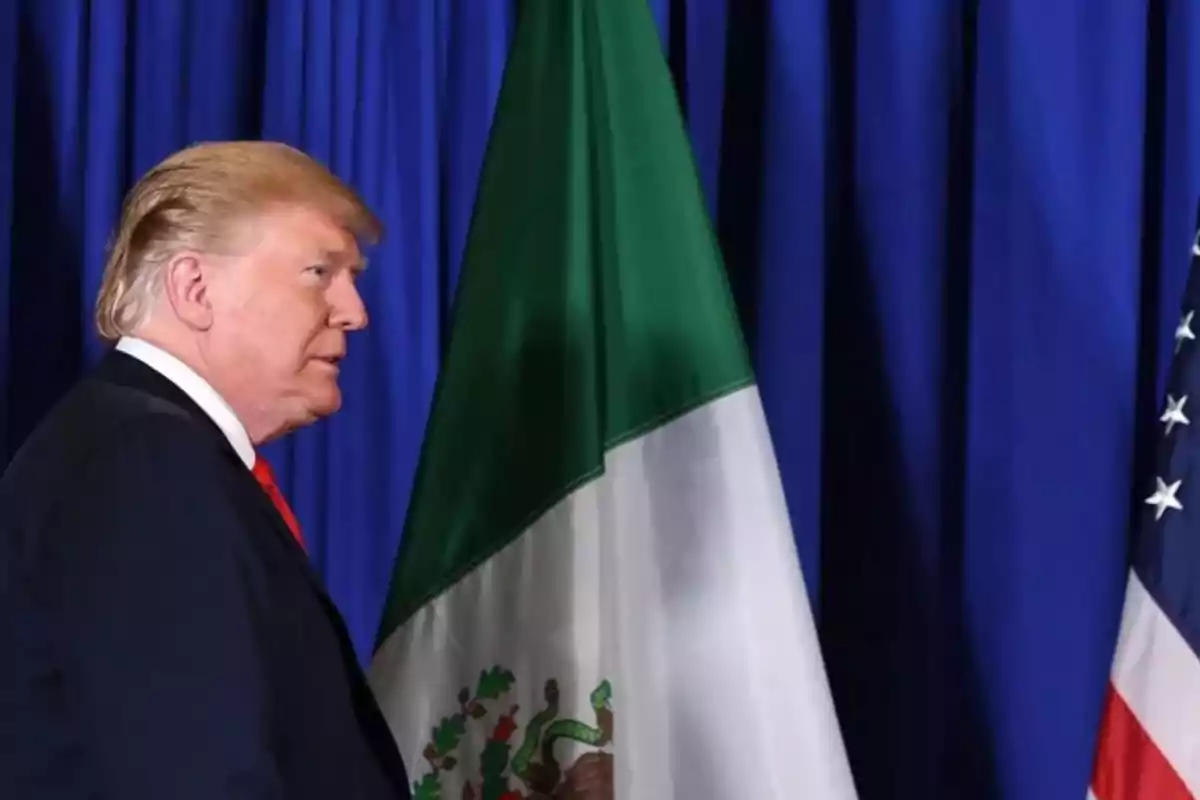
326 406
322 403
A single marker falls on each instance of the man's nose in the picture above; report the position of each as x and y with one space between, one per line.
347 310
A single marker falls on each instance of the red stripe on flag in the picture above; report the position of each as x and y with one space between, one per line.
1128 764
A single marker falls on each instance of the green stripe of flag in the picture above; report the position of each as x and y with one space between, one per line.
592 304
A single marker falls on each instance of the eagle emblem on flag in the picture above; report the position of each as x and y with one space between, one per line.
530 772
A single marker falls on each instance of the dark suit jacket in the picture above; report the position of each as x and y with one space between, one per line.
162 636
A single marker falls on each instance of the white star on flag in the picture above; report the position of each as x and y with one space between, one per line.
1174 414
1184 331
1196 244
1164 498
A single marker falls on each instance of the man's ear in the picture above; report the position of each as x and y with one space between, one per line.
185 287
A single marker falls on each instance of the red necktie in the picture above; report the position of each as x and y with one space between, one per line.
266 478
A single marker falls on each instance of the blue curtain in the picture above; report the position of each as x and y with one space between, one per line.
957 231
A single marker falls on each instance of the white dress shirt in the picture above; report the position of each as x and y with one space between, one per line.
195 387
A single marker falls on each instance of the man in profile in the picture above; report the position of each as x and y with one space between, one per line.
162 636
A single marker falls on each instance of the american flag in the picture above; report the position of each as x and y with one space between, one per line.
1149 743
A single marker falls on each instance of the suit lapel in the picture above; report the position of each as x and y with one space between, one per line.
281 532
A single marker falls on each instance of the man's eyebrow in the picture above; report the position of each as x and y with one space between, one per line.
358 265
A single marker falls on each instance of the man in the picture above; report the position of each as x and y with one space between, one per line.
161 634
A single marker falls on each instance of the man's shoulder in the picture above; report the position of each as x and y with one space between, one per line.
106 474
103 427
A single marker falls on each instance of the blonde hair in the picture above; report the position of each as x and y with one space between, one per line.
191 200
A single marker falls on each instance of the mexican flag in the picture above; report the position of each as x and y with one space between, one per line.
597 594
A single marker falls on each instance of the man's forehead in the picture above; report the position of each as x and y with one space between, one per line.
329 240
307 234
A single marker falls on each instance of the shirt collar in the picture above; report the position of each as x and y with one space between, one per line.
195 387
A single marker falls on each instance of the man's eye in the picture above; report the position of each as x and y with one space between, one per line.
320 270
